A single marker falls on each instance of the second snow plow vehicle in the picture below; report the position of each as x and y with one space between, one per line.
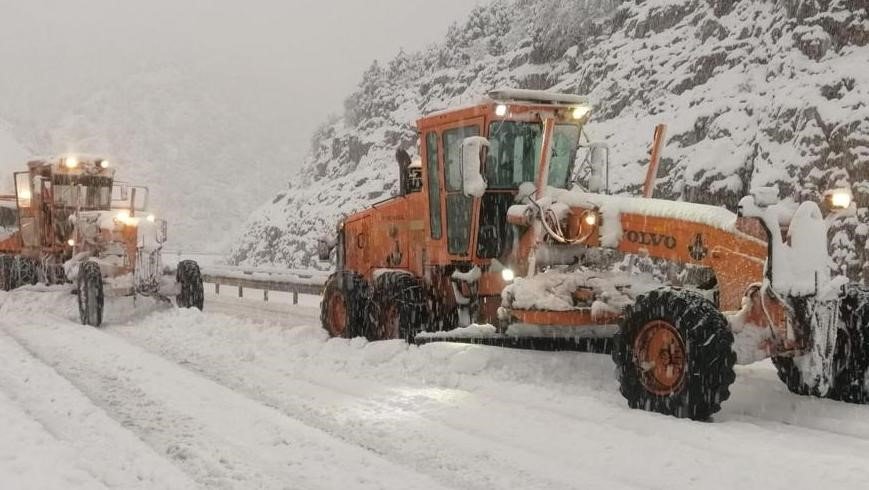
76 224
496 240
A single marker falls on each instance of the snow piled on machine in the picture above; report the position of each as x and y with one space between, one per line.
612 206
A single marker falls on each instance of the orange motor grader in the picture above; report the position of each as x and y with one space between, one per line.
502 232
76 224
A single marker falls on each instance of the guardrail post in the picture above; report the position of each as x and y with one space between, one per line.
217 288
266 295
240 292
295 297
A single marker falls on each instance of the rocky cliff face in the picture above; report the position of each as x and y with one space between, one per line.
755 93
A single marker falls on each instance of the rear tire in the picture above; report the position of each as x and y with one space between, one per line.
397 309
674 355
26 271
90 294
7 277
189 278
343 305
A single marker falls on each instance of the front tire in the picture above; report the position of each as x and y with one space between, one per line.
90 294
189 279
397 309
674 355
850 385
851 358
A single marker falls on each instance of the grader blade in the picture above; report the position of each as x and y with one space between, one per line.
548 344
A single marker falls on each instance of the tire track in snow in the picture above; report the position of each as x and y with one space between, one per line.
219 437
93 442
502 431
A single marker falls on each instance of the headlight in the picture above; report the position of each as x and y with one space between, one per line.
508 275
125 218
580 112
501 110
104 164
71 162
590 219
70 242
841 199
151 218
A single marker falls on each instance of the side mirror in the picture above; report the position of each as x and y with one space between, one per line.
598 181
324 248
473 183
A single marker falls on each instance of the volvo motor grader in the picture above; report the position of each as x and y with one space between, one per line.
506 230
76 224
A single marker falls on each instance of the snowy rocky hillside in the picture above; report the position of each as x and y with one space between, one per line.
754 93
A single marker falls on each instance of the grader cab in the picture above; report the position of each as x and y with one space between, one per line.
75 223
513 236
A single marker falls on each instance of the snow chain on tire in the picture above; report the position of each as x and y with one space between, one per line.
189 278
90 294
397 308
351 291
851 358
7 279
703 360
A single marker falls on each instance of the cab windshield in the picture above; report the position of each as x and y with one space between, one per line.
514 154
88 192
513 158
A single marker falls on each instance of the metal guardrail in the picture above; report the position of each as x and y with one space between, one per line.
266 279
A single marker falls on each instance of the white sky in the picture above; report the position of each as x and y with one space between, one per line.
291 62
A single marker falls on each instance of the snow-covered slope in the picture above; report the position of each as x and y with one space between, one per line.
754 93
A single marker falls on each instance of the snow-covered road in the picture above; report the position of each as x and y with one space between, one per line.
252 395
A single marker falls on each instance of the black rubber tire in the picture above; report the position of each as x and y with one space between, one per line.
26 270
352 289
708 352
851 357
90 294
397 309
791 376
191 291
850 385
7 276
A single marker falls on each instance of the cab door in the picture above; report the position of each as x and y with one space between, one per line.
458 208
27 216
